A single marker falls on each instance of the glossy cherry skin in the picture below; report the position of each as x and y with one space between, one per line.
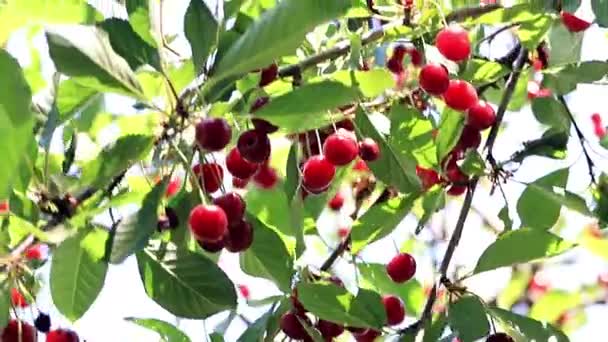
239 236
401 268
43 322
62 335
428 177
266 177
329 329
259 103
254 146
369 150
211 246
574 23
317 173
336 202
11 332
233 206
238 166
453 43
457 190
173 187
269 74
469 138
460 95
434 79
208 223
481 116
395 312
239 183
340 148
500 337
213 134
264 126
291 326
211 174
18 299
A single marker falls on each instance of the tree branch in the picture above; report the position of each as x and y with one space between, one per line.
581 138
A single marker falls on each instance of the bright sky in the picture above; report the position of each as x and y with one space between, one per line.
123 294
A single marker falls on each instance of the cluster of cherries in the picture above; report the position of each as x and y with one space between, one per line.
454 44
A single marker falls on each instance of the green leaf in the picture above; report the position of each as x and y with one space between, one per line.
268 257
271 207
530 329
5 304
541 191
389 168
182 203
186 284
411 292
335 304
564 79
553 304
133 233
564 46
73 98
600 8
167 331
473 164
467 317
480 72
431 201
571 5
115 159
303 109
504 216
292 172
532 32
201 30
256 331
552 144
371 83
412 136
129 45
514 290
78 273
434 329
521 246
278 31
16 123
315 203
450 128
85 53
380 220
139 17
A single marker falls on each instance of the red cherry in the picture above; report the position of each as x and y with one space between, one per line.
415 56
239 236
240 183
399 51
16 331
329 329
18 299
244 290
499 337
460 95
469 138
264 126
269 74
457 190
62 335
395 312
434 79
346 124
454 174
291 326
211 246
360 166
266 177
481 116
36 252
368 335
343 232
369 150
317 173
254 146
173 187
238 166
340 148
574 23
453 43
4 207
233 206
428 177
596 118
395 65
208 222
356 330
295 303
401 268
212 176
259 103
538 285
336 202
213 134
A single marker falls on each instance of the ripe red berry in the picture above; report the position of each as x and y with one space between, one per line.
368 335
4 207
211 174
336 202
240 183
399 51
340 148
329 329
343 232
233 206
453 43
266 177
434 79
239 236
428 177
454 174
574 23
18 299
346 124
395 312
208 222
264 126
291 326
457 190
259 103
317 174
36 252
415 56
211 246
16 331
460 95
499 337
173 187
481 116
62 335
395 65
244 290
238 166
269 74
254 146
369 150
469 138
213 134
361 166
401 268
43 322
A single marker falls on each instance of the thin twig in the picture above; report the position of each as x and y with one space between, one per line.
493 35
581 138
